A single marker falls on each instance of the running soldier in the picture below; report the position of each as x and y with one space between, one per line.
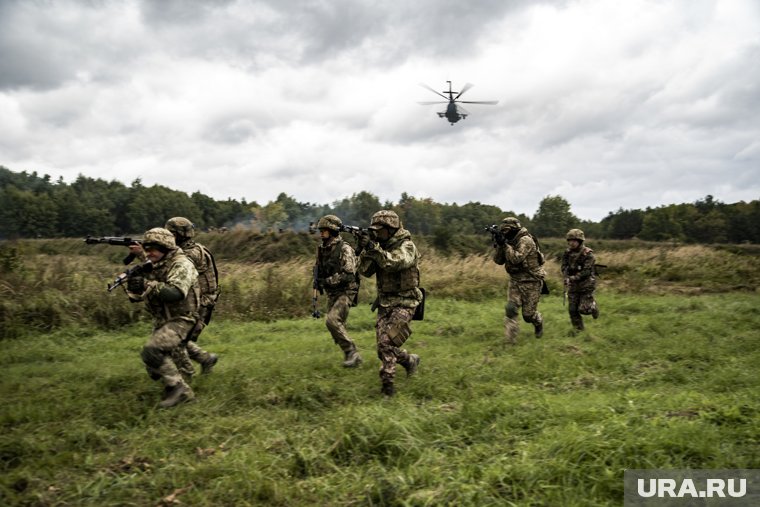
171 294
578 269
389 253
208 281
517 250
335 269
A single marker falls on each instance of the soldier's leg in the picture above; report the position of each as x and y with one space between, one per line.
573 308
587 305
512 310
392 330
336 323
181 359
157 356
530 293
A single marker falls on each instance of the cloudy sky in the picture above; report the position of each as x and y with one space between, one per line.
608 104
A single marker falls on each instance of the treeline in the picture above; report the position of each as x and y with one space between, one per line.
33 206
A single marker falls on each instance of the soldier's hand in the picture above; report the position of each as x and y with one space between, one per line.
136 284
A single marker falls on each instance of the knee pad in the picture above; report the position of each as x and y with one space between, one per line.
152 357
512 310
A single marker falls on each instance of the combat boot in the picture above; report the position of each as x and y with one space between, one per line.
175 395
411 364
353 359
387 389
208 364
595 312
538 329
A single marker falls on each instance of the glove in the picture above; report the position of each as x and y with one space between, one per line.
136 284
333 279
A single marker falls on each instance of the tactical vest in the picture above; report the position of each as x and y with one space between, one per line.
574 262
204 263
531 263
393 282
329 264
186 308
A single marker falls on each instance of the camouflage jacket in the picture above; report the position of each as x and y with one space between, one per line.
578 269
396 266
208 280
173 270
520 258
336 266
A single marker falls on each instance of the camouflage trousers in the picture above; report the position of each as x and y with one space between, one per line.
158 353
184 354
525 295
392 330
580 303
336 318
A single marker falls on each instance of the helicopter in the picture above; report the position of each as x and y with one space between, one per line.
454 112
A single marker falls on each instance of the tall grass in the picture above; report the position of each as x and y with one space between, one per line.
660 381
52 283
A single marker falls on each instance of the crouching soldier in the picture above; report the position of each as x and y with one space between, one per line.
578 269
393 258
171 295
336 271
208 282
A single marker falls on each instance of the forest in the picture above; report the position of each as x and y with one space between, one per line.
34 206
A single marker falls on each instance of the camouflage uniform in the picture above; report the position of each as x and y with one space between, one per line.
171 295
580 283
395 263
183 231
336 268
520 257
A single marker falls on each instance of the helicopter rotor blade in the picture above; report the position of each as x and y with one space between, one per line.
427 87
464 89
490 102
430 103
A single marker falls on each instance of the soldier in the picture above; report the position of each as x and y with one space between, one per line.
578 269
171 294
389 253
336 273
518 252
208 281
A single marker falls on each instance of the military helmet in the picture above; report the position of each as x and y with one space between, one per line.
385 217
330 222
510 223
181 227
159 237
576 234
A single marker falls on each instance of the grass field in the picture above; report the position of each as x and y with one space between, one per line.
659 381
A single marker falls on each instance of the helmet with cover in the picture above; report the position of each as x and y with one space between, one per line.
385 218
180 227
510 224
575 234
330 222
159 238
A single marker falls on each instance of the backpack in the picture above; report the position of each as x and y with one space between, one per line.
539 253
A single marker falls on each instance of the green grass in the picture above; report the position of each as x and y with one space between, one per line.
658 382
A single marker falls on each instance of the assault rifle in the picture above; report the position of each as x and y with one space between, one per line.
140 269
115 240
316 291
496 235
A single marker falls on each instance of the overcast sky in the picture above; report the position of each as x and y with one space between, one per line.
608 104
